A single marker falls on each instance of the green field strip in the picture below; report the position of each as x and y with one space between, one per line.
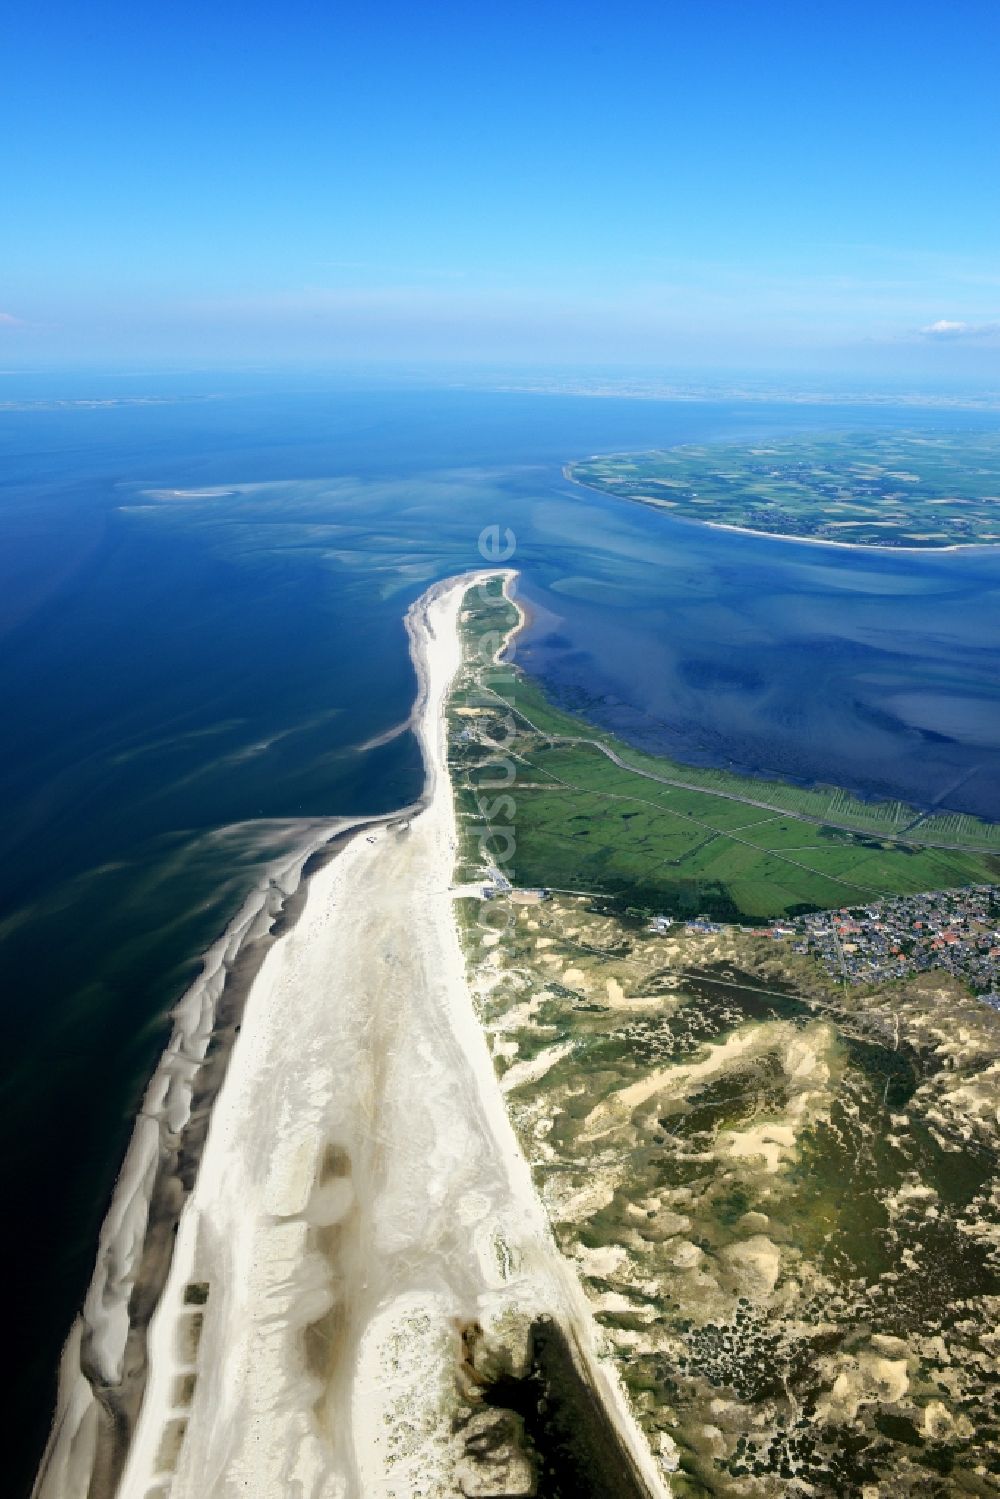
660 835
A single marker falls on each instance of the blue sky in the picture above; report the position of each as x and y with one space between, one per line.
698 184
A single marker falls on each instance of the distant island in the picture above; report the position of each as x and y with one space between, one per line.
899 490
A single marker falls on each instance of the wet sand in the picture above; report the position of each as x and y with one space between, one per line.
103 1369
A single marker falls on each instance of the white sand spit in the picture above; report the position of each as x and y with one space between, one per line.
361 1192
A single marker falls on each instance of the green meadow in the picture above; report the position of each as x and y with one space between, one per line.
586 812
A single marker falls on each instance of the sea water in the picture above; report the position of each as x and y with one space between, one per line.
202 585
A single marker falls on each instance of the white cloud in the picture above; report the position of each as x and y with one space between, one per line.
946 328
8 320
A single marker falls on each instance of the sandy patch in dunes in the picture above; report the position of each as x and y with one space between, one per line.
757 1264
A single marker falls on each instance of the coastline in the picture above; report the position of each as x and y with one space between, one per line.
819 541
524 617
103 1367
358 1193
851 546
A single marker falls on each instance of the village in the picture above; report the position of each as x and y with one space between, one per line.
956 930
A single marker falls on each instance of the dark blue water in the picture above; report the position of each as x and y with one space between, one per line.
181 673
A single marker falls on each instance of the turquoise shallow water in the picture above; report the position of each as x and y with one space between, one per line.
184 672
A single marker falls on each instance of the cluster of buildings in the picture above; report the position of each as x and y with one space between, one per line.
664 924
956 930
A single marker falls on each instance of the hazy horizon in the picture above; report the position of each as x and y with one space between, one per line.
769 190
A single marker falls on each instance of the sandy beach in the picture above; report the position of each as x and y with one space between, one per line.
361 1196
103 1366
851 546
